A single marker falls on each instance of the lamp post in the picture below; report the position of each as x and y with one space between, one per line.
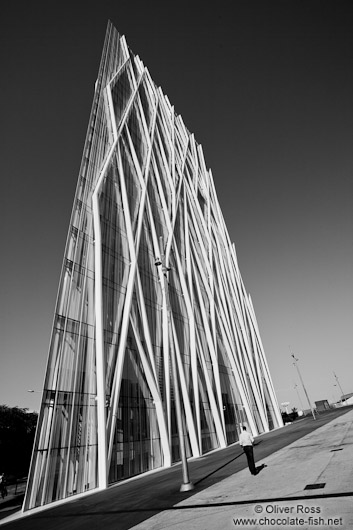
302 382
301 403
338 384
186 485
339 398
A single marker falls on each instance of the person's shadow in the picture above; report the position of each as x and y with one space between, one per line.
260 468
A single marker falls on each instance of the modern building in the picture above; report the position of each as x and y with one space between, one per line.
150 301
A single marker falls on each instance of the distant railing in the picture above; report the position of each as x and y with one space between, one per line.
15 487
20 486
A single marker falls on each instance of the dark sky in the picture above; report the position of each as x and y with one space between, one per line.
267 89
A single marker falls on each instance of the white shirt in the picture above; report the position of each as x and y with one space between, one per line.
245 438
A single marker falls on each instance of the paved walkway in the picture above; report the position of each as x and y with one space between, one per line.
274 498
277 496
12 502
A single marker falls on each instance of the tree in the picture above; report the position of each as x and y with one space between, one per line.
17 430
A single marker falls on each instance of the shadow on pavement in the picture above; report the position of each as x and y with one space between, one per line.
126 505
260 468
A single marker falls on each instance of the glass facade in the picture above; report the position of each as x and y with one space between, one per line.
149 273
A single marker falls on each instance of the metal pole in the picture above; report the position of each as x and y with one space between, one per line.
302 382
300 400
187 485
339 397
342 393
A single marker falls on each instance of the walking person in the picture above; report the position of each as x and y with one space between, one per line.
246 440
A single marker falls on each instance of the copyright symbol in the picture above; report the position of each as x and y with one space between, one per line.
258 508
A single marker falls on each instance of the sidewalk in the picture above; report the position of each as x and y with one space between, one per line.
306 452
277 496
14 498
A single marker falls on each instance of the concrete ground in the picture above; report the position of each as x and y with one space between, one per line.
277 496
226 495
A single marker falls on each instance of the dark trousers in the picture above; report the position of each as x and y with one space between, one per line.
249 451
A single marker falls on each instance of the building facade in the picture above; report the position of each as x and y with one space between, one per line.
150 282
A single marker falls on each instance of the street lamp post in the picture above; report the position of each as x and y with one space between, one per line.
186 485
338 384
301 403
302 382
339 398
